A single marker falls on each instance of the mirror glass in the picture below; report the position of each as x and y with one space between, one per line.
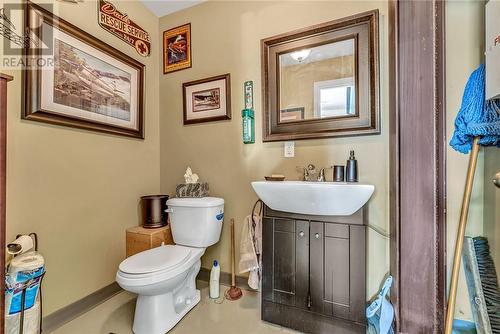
317 82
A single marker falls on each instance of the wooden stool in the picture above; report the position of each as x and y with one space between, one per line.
140 239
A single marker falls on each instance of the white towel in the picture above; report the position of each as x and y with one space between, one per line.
250 249
248 257
255 275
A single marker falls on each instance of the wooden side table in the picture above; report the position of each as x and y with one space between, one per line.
140 239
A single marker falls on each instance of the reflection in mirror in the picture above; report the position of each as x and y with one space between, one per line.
318 82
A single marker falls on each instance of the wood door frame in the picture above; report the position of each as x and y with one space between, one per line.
417 162
4 79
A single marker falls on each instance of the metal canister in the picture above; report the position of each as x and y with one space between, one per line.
338 173
154 212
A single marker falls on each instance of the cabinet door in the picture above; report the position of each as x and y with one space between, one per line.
337 274
285 261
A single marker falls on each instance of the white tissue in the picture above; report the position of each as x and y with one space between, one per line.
25 243
189 177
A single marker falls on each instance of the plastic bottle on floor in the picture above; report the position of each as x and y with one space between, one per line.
214 280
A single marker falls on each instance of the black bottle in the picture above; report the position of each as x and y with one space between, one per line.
351 169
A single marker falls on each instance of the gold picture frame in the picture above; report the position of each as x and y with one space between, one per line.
177 48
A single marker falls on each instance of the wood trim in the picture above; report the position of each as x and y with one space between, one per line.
417 104
4 78
64 315
394 160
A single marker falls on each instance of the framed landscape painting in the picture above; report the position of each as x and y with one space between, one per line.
89 85
177 48
207 99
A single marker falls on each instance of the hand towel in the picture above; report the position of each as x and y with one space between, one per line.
250 250
248 257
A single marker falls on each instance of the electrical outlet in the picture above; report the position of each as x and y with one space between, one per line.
289 149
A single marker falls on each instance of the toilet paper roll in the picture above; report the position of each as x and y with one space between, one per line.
21 245
31 323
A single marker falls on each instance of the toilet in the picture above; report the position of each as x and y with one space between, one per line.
165 277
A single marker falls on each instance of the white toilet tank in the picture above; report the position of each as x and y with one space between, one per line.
196 222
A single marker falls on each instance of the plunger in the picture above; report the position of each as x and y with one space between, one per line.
233 293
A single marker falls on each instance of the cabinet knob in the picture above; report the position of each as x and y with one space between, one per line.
317 235
301 234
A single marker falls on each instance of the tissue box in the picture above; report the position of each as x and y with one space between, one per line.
192 190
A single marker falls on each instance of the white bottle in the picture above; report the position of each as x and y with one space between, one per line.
214 280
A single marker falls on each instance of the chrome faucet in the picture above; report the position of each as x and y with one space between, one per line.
321 176
310 174
307 172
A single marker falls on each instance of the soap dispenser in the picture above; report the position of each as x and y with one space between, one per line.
351 168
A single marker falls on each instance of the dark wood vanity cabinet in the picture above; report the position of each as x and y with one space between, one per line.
314 272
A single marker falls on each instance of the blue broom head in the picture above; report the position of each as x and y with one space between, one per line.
476 117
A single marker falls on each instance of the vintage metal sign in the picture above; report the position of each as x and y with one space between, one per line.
120 25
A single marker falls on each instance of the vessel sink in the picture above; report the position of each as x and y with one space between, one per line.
314 198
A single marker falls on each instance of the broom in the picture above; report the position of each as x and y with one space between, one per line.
477 123
481 278
489 281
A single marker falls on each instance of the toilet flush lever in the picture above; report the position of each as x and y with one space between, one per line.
169 210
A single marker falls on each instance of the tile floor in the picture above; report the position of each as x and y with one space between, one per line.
241 317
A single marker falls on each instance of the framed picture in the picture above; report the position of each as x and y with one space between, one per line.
90 85
207 99
291 114
177 48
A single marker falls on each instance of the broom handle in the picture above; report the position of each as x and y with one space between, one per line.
452 297
233 261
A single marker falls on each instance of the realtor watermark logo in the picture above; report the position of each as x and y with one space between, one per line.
19 37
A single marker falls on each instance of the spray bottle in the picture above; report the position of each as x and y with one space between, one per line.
214 280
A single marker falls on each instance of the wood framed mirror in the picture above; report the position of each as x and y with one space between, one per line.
322 81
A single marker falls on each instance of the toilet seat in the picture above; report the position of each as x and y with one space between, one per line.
175 262
154 260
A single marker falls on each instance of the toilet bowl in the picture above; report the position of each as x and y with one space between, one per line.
165 277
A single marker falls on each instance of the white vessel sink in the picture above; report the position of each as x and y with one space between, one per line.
314 198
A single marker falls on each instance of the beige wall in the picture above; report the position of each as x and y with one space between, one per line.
78 189
464 53
297 81
226 39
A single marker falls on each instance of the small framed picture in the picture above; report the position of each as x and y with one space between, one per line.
207 99
291 114
177 48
